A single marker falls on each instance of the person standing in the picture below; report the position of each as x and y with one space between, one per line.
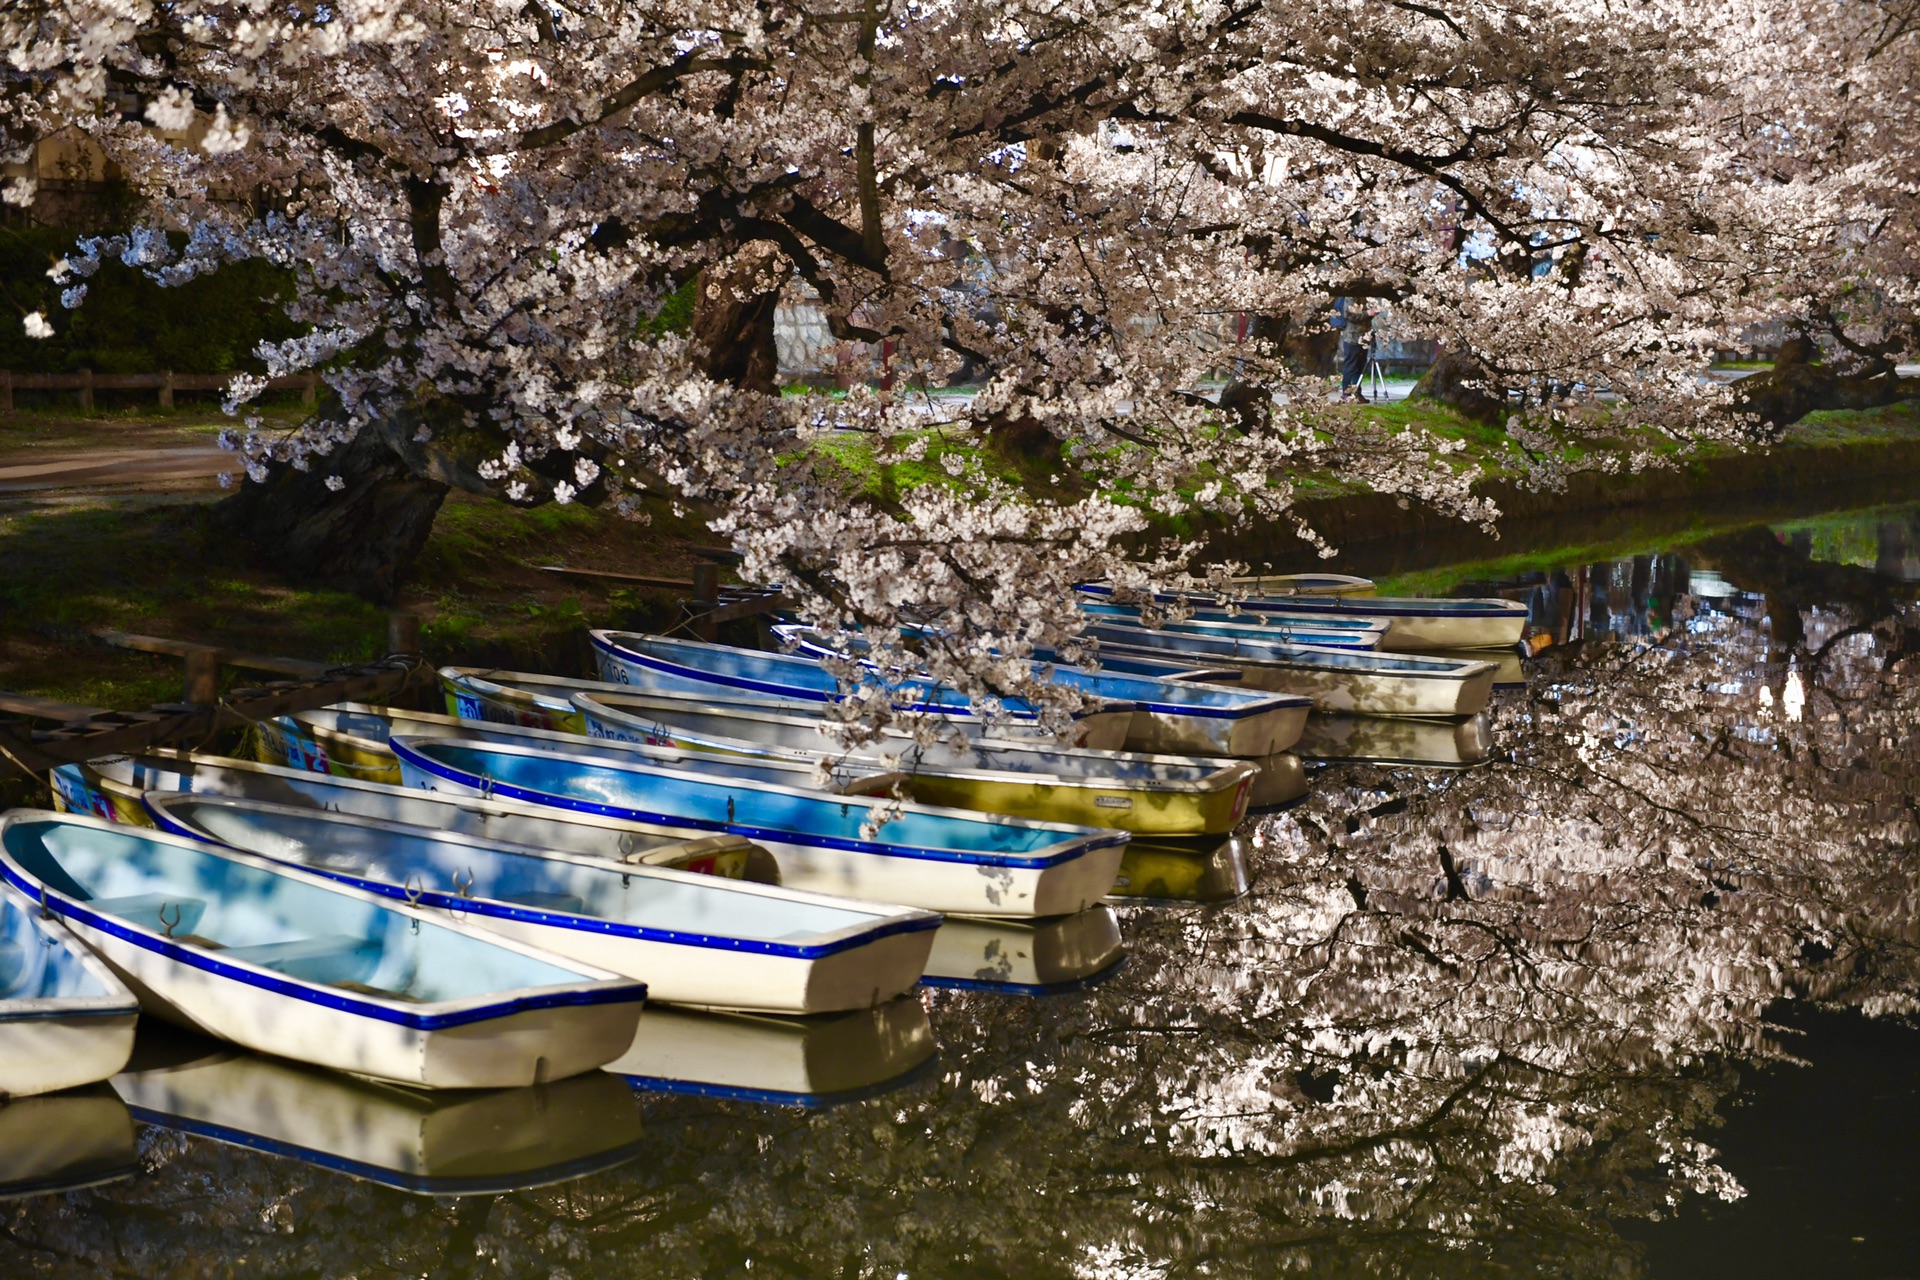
1355 324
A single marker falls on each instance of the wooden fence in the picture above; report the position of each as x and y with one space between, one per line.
86 382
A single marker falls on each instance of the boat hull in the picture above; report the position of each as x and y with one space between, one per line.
1376 694
1243 738
1412 633
528 1047
1140 811
855 978
47 1054
1440 743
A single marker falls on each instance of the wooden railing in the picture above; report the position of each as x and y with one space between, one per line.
86 382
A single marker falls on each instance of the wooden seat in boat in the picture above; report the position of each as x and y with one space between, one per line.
565 903
335 959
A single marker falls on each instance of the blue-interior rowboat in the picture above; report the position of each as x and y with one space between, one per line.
1413 623
267 956
665 663
1170 716
65 1019
940 859
359 734
694 939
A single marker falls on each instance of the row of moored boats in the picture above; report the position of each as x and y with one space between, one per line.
487 897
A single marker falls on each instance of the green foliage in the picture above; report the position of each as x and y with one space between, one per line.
676 313
129 324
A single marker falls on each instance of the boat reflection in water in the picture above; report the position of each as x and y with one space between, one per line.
1444 743
443 1142
813 1062
64 1141
1026 957
1184 871
1281 779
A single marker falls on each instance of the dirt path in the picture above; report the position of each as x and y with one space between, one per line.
186 466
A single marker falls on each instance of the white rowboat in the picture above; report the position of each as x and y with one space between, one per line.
266 956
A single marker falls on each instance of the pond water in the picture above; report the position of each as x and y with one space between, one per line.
1620 984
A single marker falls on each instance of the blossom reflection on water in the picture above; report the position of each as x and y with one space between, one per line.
1464 1021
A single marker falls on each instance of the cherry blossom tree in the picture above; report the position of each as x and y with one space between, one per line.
487 204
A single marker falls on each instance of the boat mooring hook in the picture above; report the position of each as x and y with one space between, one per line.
486 786
46 911
168 926
414 889
463 888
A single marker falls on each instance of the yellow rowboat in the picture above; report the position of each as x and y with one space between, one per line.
1184 872
522 697
123 780
357 734
1162 795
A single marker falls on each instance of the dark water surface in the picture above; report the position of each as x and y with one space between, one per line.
1632 997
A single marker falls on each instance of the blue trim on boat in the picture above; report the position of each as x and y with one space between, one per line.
1082 844
1088 682
193 957
456 905
958 708
425 1185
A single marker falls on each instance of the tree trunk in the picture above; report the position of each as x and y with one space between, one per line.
361 539
1307 350
1462 383
735 334
1796 387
